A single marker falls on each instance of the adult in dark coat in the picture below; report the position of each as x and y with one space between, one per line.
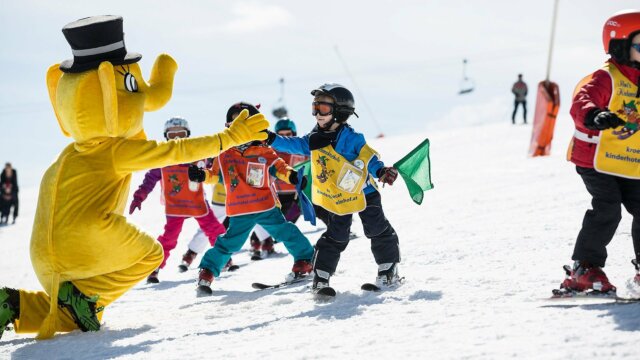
9 190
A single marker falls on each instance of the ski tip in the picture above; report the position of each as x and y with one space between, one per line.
256 258
233 268
260 286
325 293
182 268
370 287
203 291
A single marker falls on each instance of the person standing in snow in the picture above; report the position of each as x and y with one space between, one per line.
519 90
246 171
182 198
343 167
9 190
605 114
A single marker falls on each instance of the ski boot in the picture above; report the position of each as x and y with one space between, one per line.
320 287
256 254
267 246
187 259
9 307
586 279
81 307
388 275
636 279
205 278
300 269
153 277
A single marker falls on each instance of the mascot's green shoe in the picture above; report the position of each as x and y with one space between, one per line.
81 307
9 307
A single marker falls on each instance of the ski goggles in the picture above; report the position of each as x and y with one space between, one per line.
172 134
636 46
321 108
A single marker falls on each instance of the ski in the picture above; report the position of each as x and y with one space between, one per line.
203 290
233 268
370 287
183 268
375 288
324 293
565 294
261 286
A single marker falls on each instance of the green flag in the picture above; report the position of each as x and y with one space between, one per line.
415 169
307 173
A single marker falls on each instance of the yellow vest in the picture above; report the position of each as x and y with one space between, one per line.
219 194
618 151
337 183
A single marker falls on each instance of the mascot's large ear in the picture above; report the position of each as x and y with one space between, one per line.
161 83
109 97
53 77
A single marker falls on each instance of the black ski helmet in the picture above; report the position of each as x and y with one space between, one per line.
344 103
238 107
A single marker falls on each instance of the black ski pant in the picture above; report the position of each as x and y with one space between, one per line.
600 223
384 240
515 110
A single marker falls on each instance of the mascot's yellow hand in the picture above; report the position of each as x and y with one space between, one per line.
244 129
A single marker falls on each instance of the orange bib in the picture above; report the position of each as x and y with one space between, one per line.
182 197
247 180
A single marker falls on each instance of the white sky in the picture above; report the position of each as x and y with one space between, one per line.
406 57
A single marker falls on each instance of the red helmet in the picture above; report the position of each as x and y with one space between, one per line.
618 29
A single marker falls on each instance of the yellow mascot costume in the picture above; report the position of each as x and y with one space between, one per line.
83 250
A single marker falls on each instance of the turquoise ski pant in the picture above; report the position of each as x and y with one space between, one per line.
239 229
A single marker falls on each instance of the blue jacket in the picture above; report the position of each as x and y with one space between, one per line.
347 143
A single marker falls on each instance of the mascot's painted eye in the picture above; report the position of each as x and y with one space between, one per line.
130 82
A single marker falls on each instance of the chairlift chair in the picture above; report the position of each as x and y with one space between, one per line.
466 85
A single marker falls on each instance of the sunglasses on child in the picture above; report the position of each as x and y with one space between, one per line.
636 46
172 134
321 108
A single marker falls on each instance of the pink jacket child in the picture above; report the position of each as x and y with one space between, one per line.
182 198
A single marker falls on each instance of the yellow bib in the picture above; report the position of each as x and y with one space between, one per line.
219 194
337 183
618 152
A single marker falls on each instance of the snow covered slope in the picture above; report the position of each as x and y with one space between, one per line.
480 256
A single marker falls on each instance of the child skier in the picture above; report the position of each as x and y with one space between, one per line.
261 241
605 101
246 171
342 167
182 198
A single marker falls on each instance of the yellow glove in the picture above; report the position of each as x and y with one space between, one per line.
244 129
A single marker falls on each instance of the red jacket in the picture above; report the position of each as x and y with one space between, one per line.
595 94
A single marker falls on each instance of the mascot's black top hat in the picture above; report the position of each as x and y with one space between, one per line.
94 40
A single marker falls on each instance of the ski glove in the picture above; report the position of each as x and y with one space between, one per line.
244 129
271 137
135 204
196 174
293 179
387 175
602 119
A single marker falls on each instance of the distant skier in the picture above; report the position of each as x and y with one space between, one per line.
519 90
600 105
343 167
182 198
8 193
246 171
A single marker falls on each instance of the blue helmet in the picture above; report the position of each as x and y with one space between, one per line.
286 124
